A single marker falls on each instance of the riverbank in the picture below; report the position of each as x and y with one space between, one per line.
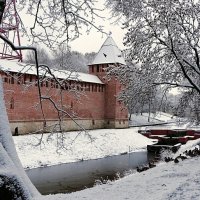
167 181
52 149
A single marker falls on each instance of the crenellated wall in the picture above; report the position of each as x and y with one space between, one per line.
24 110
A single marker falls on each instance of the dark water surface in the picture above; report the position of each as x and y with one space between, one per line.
71 177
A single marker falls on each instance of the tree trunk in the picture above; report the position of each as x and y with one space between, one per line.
13 180
2 6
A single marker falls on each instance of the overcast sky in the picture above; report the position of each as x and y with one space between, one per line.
92 42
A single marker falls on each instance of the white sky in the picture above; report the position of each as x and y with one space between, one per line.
92 41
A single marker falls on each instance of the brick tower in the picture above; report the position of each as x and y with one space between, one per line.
116 114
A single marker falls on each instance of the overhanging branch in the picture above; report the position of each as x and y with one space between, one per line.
174 84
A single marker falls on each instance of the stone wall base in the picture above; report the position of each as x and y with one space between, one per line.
31 127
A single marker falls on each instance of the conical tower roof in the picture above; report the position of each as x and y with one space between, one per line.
109 53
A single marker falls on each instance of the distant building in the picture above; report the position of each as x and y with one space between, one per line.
97 106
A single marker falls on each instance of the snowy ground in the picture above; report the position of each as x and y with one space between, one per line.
155 118
60 148
167 181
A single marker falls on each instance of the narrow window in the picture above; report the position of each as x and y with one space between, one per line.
52 84
56 84
92 68
66 86
47 84
5 79
31 78
12 80
97 68
25 78
12 103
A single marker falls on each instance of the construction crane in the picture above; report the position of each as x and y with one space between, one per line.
9 28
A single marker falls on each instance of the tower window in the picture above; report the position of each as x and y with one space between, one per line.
12 80
97 68
12 103
5 79
92 68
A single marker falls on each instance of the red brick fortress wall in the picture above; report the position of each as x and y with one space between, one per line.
23 105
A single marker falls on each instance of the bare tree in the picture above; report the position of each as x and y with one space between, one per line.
163 37
59 21
43 56
65 58
139 93
55 21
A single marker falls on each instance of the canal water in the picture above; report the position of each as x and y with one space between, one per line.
71 177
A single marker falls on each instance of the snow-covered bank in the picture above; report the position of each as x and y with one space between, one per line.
153 118
168 181
98 144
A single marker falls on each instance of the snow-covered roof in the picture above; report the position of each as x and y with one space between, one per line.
13 66
109 53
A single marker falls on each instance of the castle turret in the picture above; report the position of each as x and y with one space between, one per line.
116 114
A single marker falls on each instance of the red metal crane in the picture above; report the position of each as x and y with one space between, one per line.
10 29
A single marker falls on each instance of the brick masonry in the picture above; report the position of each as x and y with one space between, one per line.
96 106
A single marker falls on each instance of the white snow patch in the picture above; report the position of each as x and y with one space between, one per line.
105 142
12 66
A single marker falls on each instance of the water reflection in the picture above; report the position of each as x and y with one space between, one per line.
76 176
